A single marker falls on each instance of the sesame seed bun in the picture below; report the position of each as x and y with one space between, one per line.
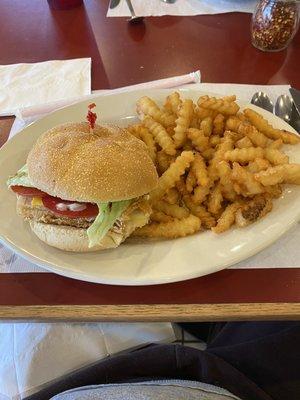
108 164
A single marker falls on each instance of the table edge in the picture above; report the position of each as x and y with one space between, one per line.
153 312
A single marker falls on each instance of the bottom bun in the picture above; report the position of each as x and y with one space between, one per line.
70 238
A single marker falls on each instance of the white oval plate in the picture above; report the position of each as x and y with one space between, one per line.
137 262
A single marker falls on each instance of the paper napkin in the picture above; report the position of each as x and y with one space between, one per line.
24 85
181 7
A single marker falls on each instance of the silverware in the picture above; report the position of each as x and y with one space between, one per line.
283 108
114 3
296 97
295 118
169 1
133 18
262 100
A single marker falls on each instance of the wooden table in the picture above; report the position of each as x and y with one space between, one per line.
124 54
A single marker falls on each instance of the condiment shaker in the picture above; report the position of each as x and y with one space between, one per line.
274 24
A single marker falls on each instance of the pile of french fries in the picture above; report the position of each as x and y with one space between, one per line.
218 166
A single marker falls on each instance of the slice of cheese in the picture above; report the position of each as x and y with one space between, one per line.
36 202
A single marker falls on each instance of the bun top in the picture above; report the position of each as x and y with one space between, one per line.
108 164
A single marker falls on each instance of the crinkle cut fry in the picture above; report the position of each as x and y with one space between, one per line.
159 216
287 173
256 137
160 135
190 181
134 130
218 124
227 218
227 187
225 145
185 114
259 164
173 210
221 105
173 103
243 143
198 139
215 199
163 161
263 125
275 156
206 126
203 113
244 155
200 170
207 220
172 196
200 194
172 175
143 133
246 180
170 230
214 140
146 106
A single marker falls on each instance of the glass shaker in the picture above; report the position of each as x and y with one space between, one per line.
274 24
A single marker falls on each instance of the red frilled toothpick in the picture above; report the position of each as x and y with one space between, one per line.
91 116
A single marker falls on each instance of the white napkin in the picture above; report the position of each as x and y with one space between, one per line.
148 8
24 85
34 354
272 257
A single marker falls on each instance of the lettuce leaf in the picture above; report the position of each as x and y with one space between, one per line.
20 178
108 214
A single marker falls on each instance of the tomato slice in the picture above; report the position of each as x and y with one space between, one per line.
91 210
28 191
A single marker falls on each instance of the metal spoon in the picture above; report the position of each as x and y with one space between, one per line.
262 100
134 18
284 107
169 1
